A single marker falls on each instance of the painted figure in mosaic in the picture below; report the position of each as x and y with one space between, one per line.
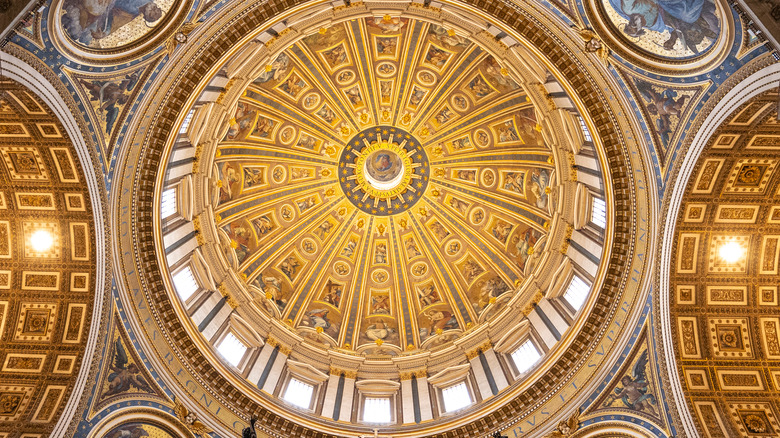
513 181
633 392
380 255
332 294
436 56
411 247
428 295
252 177
540 182
471 270
89 20
689 21
490 289
128 431
111 96
277 70
459 205
123 377
479 88
664 105
263 225
349 248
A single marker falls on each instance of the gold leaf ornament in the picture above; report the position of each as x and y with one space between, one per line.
190 420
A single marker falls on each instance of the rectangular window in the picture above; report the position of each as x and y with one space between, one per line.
376 410
456 397
232 349
185 283
186 123
168 204
598 214
526 356
577 292
298 393
585 130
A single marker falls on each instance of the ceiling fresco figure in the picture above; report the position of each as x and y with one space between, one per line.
90 22
674 28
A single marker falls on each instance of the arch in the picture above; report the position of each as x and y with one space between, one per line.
612 429
740 93
31 77
146 416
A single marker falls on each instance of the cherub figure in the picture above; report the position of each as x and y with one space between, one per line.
633 392
123 376
664 105
110 95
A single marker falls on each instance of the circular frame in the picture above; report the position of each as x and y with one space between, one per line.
166 29
588 342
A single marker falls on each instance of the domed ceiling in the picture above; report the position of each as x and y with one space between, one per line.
379 201
383 181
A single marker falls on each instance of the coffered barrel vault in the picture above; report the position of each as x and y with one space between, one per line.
47 262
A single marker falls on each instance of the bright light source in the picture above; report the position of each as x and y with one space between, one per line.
456 397
731 252
42 240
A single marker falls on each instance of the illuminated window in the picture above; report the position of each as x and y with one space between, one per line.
298 393
585 130
526 356
185 283
186 123
168 204
598 214
576 292
232 349
376 410
456 397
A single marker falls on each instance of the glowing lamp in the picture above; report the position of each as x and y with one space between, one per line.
731 252
41 240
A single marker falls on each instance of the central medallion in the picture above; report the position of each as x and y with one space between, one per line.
383 170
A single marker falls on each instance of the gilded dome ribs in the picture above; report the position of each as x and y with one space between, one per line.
305 57
411 55
486 115
494 253
444 272
385 202
357 38
315 283
278 107
358 284
404 286
265 153
446 84
243 207
255 264
522 211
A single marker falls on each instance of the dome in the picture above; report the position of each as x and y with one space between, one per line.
380 195
383 186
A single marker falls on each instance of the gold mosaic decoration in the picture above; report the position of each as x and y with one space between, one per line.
725 310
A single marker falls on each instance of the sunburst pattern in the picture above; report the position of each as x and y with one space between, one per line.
372 272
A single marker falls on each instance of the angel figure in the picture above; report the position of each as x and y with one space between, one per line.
634 390
110 96
593 44
566 428
185 416
664 105
124 376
